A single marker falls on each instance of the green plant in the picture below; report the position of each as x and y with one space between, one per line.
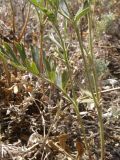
15 39
101 26
51 10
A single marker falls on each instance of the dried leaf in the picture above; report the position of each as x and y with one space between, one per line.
29 88
62 141
80 148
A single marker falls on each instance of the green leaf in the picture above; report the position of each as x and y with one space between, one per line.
35 2
59 80
51 16
10 51
22 53
4 53
63 13
50 69
36 56
54 3
2 56
28 65
2 50
49 13
18 66
52 76
63 9
47 65
39 5
51 36
81 13
31 67
34 69
65 54
5 59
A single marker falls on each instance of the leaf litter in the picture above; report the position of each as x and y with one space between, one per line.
30 128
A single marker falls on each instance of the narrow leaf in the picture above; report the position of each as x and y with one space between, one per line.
21 51
10 51
52 76
35 56
47 65
51 36
59 80
34 69
81 13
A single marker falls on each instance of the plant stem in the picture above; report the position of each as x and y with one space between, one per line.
95 80
66 61
95 83
99 110
7 72
42 25
85 63
74 97
41 47
24 25
13 16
